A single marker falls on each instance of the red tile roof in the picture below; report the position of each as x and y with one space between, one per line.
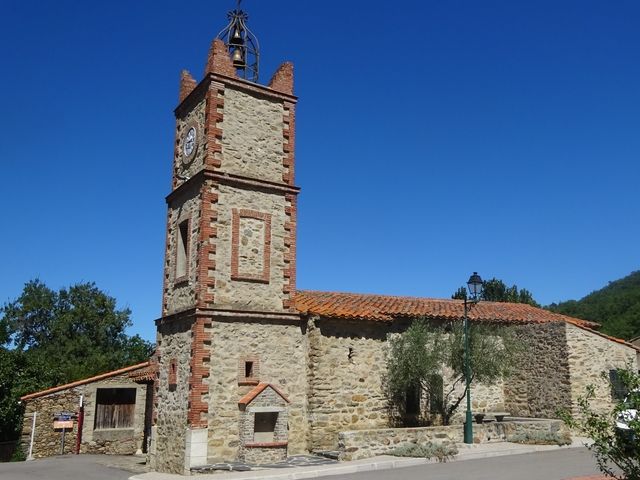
250 397
84 381
385 308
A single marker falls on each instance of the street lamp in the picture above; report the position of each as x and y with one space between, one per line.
475 289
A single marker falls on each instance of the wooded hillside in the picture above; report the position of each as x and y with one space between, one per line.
616 307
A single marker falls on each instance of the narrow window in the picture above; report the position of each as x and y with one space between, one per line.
115 408
412 401
173 373
248 369
265 427
618 389
183 250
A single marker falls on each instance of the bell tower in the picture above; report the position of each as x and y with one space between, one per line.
231 230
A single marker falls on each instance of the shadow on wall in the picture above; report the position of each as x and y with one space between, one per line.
7 449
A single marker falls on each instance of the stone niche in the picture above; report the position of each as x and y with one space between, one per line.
263 425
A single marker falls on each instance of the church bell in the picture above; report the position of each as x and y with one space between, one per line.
242 44
238 58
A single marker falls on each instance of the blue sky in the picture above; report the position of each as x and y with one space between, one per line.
434 139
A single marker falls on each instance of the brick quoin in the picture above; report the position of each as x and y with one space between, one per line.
289 286
208 239
214 117
200 359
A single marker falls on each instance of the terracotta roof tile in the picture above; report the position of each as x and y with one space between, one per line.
84 381
250 397
385 308
147 374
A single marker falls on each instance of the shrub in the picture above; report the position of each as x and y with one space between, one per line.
441 452
541 438
18 454
617 450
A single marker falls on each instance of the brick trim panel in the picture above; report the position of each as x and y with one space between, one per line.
266 445
265 275
198 408
255 378
205 275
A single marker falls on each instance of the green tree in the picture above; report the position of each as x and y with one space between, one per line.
496 290
424 351
50 338
617 451
616 307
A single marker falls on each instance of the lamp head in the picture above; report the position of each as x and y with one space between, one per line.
475 285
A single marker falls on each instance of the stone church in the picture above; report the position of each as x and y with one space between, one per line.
249 367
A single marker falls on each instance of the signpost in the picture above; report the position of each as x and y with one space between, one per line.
63 421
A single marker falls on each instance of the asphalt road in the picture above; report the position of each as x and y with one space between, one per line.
72 467
554 465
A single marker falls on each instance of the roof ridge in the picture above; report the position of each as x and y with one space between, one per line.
372 305
84 381
360 294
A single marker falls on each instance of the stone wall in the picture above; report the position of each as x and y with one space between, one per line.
47 441
252 138
539 384
281 349
348 365
174 345
244 294
591 356
114 441
355 445
180 294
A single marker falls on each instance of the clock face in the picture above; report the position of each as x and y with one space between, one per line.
189 144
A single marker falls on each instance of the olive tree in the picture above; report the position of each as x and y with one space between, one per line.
419 356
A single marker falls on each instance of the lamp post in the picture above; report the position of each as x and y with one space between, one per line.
475 288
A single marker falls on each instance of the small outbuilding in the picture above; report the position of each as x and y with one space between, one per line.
109 413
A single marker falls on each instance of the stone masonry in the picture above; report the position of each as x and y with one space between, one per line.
233 318
236 190
66 398
261 451
590 359
173 347
545 356
281 349
358 444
